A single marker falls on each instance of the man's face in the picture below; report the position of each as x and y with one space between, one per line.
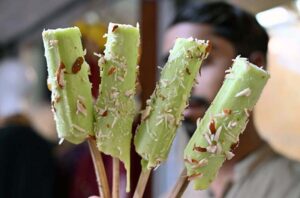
212 70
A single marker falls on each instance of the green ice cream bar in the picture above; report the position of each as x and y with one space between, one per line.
217 134
163 112
68 81
115 107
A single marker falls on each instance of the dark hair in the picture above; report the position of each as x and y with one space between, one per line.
230 22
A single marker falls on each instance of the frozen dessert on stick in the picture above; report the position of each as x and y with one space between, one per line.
217 134
163 112
72 102
68 81
115 107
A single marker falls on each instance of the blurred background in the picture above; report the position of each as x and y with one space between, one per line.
23 68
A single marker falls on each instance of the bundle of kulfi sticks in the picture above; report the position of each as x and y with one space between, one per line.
107 123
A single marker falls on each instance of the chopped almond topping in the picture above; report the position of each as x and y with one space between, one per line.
146 112
129 93
246 92
101 61
201 163
114 28
61 140
231 124
199 149
212 148
229 155
217 135
208 48
104 114
81 108
78 128
77 65
227 111
247 112
53 43
207 137
212 127
60 75
111 70
191 161
120 78
234 146
228 71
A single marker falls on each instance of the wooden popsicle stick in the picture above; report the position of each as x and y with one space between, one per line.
143 179
116 178
180 186
99 169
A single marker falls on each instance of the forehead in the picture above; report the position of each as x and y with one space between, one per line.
199 31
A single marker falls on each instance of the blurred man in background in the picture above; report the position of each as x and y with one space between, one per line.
256 170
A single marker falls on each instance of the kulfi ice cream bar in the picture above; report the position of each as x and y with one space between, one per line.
217 134
71 96
115 108
164 109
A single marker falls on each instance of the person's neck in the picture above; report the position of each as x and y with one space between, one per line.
249 142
